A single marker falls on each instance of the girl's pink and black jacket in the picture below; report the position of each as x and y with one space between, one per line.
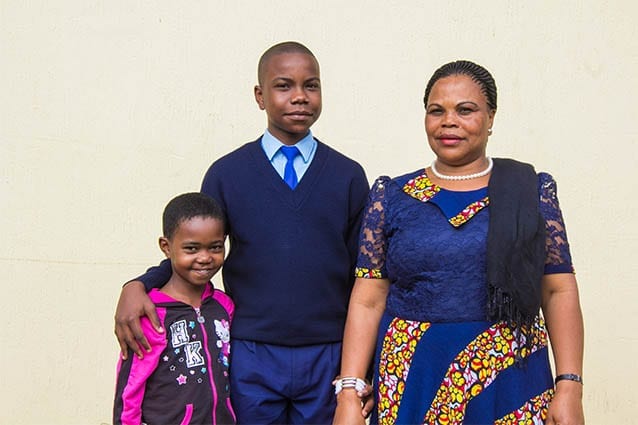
184 379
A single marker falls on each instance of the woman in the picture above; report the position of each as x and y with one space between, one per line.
456 260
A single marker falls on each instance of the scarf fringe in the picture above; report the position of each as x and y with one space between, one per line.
501 307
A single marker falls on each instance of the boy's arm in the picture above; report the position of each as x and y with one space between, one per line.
157 276
211 185
133 304
132 374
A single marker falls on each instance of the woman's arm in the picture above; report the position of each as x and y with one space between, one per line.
561 309
367 304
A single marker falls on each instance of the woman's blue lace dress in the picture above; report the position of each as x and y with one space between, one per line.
438 358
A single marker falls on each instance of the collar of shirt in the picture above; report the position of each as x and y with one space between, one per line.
307 148
271 145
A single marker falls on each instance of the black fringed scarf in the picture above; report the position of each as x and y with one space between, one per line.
515 246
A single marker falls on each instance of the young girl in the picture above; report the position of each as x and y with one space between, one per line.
184 380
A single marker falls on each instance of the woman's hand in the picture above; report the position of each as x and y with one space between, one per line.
567 407
349 410
133 304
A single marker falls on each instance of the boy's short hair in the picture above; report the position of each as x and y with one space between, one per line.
190 205
277 49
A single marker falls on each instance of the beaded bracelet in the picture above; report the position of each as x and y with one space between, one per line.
349 382
569 377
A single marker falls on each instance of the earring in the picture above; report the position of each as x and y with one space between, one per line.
489 131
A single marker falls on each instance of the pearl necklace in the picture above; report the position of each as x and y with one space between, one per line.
485 172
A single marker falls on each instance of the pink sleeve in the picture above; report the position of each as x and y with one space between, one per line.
134 378
226 302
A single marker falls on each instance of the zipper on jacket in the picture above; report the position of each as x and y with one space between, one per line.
200 318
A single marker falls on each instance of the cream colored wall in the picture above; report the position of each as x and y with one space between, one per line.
109 108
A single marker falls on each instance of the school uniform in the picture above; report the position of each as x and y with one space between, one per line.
289 271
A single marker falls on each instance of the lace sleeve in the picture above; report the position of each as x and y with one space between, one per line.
559 259
372 242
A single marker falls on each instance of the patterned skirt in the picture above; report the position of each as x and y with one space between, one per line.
460 373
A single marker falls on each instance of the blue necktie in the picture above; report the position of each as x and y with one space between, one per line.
290 176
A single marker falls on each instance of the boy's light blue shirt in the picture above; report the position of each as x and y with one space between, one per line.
307 147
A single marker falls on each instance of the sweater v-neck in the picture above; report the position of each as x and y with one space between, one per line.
297 196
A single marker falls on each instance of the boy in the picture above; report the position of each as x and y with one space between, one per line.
184 379
293 221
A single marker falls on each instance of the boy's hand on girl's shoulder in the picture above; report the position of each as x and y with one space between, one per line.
133 304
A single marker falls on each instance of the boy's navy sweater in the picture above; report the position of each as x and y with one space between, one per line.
290 265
